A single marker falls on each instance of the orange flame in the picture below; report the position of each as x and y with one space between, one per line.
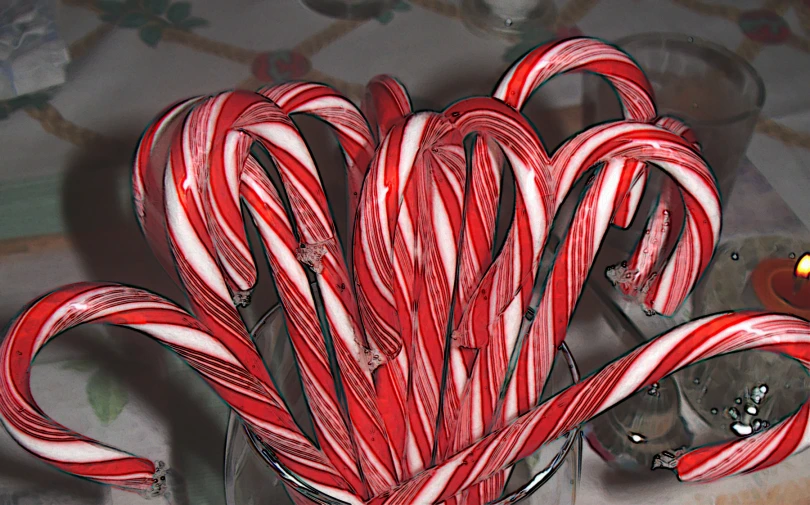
803 266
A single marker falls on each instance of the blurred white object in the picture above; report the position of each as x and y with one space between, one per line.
32 55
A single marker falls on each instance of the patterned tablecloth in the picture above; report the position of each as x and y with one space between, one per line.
65 214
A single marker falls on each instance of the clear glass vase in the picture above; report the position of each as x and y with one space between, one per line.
254 477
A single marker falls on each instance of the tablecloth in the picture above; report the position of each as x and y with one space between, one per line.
65 213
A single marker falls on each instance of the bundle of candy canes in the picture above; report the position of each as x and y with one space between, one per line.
420 386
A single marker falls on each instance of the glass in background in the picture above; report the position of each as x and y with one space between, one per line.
716 92
350 9
508 18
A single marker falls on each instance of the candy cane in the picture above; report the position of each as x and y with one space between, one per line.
661 230
698 188
444 165
236 373
685 345
242 118
579 54
301 317
645 143
493 315
574 259
385 103
303 324
351 128
147 179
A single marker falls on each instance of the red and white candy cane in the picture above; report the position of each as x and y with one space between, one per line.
661 230
392 224
245 117
444 166
303 326
385 103
644 143
492 318
148 176
579 54
685 345
647 142
604 196
583 54
237 373
351 128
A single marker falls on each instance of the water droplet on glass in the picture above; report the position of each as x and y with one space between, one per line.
714 411
690 39
653 391
752 409
624 264
735 256
757 425
738 400
765 424
694 105
792 255
636 438
649 312
733 413
697 380
763 388
741 429
507 22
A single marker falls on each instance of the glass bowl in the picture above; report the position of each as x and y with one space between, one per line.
253 476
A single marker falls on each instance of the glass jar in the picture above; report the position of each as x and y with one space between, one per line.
254 477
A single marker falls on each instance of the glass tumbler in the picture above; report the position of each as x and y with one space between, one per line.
716 92
252 475
508 18
350 9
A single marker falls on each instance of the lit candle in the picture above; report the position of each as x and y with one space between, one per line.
783 285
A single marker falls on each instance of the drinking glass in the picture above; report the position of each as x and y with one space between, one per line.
350 9
252 474
716 92
508 18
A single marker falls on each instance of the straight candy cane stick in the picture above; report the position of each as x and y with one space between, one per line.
236 374
685 345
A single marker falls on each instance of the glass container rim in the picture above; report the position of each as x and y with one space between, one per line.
739 61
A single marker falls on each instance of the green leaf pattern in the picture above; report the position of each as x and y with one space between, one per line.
106 395
149 17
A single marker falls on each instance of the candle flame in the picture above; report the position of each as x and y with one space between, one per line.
803 266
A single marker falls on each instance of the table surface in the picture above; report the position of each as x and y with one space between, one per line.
65 214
